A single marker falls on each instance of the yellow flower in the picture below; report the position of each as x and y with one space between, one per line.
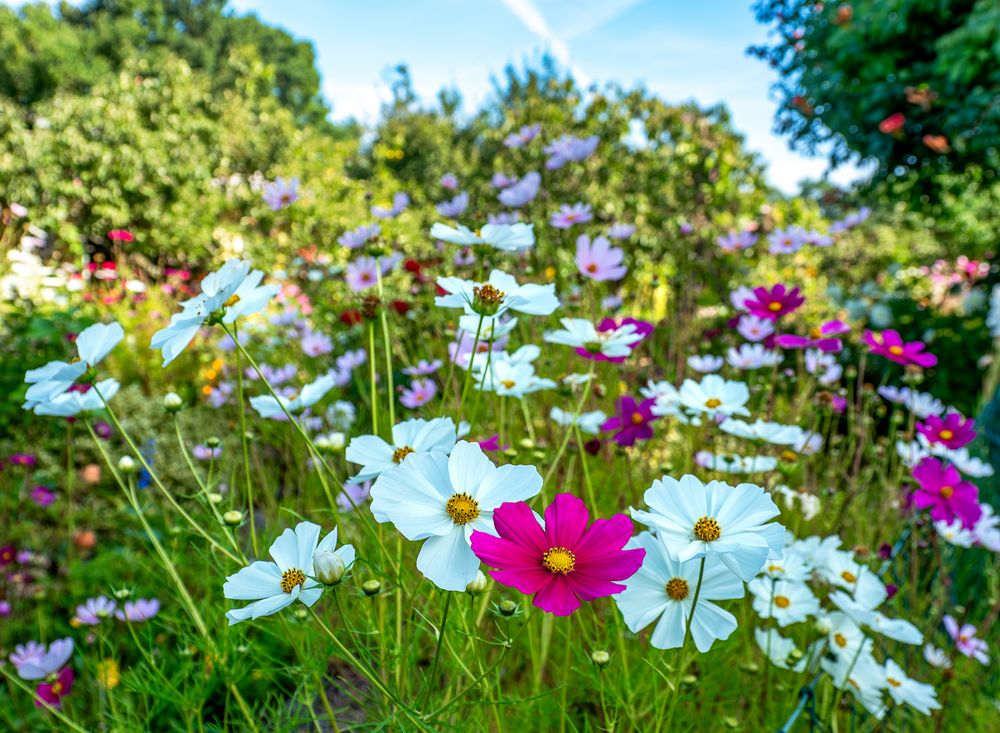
108 674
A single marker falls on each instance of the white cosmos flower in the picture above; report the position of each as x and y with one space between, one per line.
789 567
809 503
442 499
499 294
780 651
69 404
582 334
731 463
231 292
92 345
786 601
842 570
814 551
268 407
863 615
903 690
714 519
936 657
922 404
964 462
955 533
505 237
274 585
37 662
705 363
491 328
663 589
715 395
589 422
752 356
511 378
374 455
863 676
769 432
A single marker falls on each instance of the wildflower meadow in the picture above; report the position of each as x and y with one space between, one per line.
549 416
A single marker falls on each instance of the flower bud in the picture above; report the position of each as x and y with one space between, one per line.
330 441
213 442
371 587
126 464
301 614
477 585
215 498
823 625
172 402
232 517
122 594
507 608
328 567
600 658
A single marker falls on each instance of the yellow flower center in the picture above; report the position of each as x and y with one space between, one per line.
57 688
291 578
840 640
775 569
487 294
946 435
462 508
849 577
712 402
637 418
508 383
946 492
559 560
677 589
400 453
815 332
782 602
774 306
707 529
895 350
233 300
893 681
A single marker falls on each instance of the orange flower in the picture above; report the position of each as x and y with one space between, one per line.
937 143
844 14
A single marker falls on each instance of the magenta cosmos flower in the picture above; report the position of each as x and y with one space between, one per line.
563 563
632 421
890 344
773 303
598 260
643 328
820 337
953 431
53 692
943 490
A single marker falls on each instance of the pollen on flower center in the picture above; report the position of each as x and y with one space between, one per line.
815 332
893 681
946 491
233 300
291 578
946 435
840 640
774 306
782 601
707 529
592 267
712 402
677 589
508 383
400 453
849 577
462 508
559 560
895 350
487 295
637 418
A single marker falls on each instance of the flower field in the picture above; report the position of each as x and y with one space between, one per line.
564 431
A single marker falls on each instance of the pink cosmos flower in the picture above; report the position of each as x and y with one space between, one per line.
734 241
492 443
53 692
449 181
420 392
423 368
26 460
632 420
139 610
563 564
943 490
598 260
890 344
43 495
774 303
966 641
643 328
361 273
820 337
523 136
455 207
315 343
753 328
953 431
567 215
121 235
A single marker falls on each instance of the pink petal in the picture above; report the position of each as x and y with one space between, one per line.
557 597
565 521
516 522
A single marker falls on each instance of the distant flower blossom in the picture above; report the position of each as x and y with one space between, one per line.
705 363
752 356
892 124
598 260
121 235
621 231
454 207
43 495
449 181
631 421
419 393
400 200
423 368
52 692
564 563
505 237
362 235
735 241
965 640
502 180
588 341
890 345
642 328
568 215
139 610
314 343
823 337
25 460
363 272
923 404
95 610
773 303
786 241
281 193
953 431
943 491
753 328
33 661
204 453
522 192
523 136
567 148
500 293
715 396
851 220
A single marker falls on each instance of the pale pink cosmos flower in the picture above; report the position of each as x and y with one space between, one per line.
567 216
420 392
753 328
966 641
598 260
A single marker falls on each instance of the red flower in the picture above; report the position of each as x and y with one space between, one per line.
351 317
892 124
53 692
121 235
400 306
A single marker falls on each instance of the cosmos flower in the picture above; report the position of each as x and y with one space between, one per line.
752 356
786 241
715 396
504 237
822 337
55 378
864 614
631 420
400 200
773 303
360 236
965 640
138 611
945 493
890 345
780 651
753 328
731 463
509 377
589 422
953 431
903 690
582 334
281 192
94 610
43 495
522 192
563 563
375 456
598 260
53 691
662 591
705 363
444 500
497 295
423 368
454 207
769 432
419 393
69 404
568 215
619 231
34 662
714 519
314 343
449 181
786 601
734 241
922 404
522 137
269 407
568 148
642 328
275 585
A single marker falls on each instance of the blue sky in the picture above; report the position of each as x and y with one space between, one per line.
679 49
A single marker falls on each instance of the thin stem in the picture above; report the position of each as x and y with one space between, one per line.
440 641
246 450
